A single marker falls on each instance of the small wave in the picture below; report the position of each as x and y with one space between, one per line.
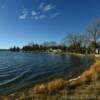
11 81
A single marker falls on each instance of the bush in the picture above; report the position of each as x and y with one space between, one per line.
56 85
40 89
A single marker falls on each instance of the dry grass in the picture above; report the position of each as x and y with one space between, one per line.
88 76
50 87
92 73
41 89
56 85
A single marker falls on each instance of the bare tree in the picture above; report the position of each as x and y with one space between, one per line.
73 39
93 31
74 42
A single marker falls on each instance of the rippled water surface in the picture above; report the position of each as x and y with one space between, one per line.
23 69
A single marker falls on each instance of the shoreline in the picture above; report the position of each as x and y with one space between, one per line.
59 86
74 54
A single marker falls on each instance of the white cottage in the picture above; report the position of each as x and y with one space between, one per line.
98 50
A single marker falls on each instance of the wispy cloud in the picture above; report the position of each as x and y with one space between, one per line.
46 7
23 15
41 12
41 5
54 15
40 17
34 13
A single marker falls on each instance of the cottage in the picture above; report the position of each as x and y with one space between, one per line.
54 50
98 50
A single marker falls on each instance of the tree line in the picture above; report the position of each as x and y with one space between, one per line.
86 42
14 48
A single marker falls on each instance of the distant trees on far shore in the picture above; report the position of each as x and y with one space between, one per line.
14 48
43 47
87 42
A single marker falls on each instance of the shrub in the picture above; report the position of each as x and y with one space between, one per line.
56 85
40 89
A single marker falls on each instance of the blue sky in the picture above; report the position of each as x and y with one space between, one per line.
26 21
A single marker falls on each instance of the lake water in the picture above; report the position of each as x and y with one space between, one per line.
23 69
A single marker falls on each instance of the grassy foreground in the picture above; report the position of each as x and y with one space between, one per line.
84 87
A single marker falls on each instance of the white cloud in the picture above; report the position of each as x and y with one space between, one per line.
34 13
48 7
54 15
42 16
41 5
24 15
40 12
39 17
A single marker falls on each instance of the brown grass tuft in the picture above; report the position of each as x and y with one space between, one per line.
56 85
40 89
86 76
50 87
92 73
96 67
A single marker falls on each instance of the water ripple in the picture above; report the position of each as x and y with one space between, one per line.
20 70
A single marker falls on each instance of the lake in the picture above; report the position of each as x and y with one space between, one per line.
19 70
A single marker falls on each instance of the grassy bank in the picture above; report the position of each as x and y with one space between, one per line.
84 87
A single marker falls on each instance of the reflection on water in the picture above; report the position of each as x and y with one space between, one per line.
22 69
